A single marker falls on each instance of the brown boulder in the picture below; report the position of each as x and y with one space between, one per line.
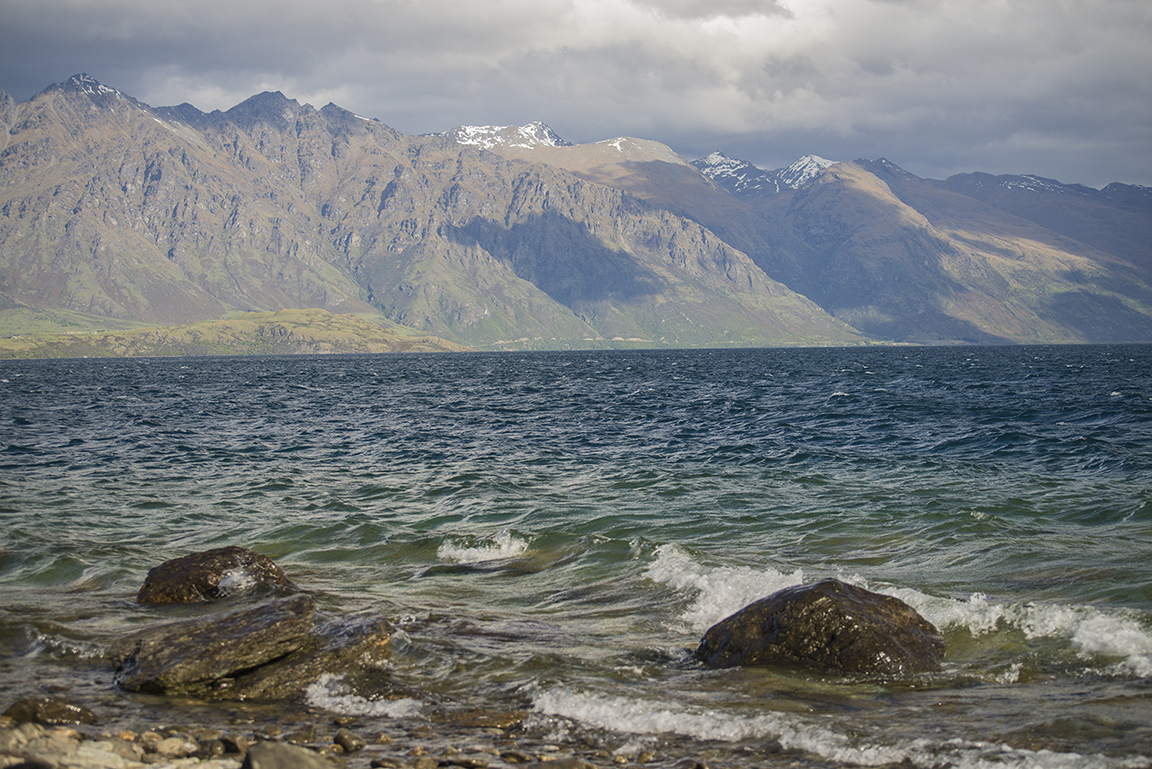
189 657
271 651
830 626
347 645
212 575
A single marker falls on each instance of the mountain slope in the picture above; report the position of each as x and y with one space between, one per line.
115 209
114 213
973 258
901 257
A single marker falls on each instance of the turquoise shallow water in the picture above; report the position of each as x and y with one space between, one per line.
555 531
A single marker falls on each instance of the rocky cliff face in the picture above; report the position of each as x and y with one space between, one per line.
115 209
509 238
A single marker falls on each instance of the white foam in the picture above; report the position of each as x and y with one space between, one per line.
1092 632
721 591
1118 636
648 717
331 693
503 545
236 581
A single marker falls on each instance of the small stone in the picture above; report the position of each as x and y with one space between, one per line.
384 762
176 747
148 740
515 757
278 755
349 741
570 763
124 748
235 743
210 749
426 762
302 736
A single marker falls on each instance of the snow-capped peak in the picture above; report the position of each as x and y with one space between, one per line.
85 83
803 170
534 134
742 177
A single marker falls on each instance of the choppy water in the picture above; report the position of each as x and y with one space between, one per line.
555 531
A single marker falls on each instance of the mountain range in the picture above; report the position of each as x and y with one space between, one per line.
116 214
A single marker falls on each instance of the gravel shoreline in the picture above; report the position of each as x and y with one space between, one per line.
486 741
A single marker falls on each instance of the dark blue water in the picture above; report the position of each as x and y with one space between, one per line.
596 512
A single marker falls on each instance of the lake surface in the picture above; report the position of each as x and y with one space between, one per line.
554 532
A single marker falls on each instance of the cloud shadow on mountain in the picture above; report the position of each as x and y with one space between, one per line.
561 258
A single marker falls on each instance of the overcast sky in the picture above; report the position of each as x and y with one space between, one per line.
1058 88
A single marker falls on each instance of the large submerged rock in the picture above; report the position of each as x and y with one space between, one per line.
271 651
212 575
830 626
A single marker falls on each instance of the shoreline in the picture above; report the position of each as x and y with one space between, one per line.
476 740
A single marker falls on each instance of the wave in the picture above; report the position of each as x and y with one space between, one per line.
504 545
998 638
649 717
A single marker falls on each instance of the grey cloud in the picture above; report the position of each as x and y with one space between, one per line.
1057 89
708 9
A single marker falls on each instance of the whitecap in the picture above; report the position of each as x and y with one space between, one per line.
503 545
720 591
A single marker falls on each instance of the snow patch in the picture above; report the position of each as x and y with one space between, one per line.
528 136
741 176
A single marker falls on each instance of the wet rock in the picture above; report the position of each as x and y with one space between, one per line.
565 763
272 651
210 749
302 736
489 719
349 646
212 575
235 743
50 711
515 757
349 741
277 755
190 657
829 626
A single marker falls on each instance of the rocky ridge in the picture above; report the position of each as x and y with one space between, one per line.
508 237
172 215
